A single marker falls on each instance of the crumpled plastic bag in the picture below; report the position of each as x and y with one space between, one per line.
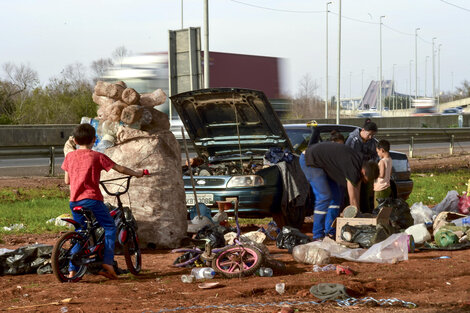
310 255
400 217
289 237
25 260
365 235
449 204
421 213
464 203
391 250
214 234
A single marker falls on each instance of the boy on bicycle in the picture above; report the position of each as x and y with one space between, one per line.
82 172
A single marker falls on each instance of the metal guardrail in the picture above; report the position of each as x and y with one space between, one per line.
396 136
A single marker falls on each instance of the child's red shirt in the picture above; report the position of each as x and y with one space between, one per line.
84 168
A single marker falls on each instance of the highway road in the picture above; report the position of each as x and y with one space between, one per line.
40 166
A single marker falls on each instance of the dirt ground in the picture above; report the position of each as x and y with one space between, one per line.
434 285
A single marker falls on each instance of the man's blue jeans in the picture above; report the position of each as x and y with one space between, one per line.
328 196
105 220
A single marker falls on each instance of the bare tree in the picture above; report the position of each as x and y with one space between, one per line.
20 80
119 54
306 103
99 68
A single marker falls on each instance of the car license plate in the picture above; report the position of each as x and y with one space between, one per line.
205 198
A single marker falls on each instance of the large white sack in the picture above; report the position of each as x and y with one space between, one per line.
157 201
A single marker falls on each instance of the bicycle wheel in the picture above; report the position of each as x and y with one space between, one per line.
62 257
236 261
132 254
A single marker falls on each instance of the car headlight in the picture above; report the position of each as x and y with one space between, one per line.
245 181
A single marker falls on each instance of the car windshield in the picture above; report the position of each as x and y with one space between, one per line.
300 136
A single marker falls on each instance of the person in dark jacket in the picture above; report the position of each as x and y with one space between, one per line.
362 140
328 166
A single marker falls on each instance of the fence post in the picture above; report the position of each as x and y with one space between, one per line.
451 147
411 147
51 161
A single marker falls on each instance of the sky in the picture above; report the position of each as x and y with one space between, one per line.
48 35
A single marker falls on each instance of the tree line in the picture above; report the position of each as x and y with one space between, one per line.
64 99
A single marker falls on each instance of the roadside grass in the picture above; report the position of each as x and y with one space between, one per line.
432 188
34 207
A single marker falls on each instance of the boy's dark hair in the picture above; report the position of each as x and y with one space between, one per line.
371 126
368 120
336 136
383 144
84 134
372 170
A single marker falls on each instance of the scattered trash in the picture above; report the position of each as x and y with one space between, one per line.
280 288
272 231
445 237
464 202
26 260
329 267
463 221
290 237
419 232
391 250
449 204
441 257
443 219
400 216
209 285
214 234
365 235
421 213
264 272
326 291
13 227
344 270
188 279
203 273
310 255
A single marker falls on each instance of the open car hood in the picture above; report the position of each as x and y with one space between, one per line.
211 117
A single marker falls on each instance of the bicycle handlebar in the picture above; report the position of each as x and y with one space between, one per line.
145 172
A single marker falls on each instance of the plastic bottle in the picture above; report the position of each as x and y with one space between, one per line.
463 221
329 267
187 279
106 142
265 272
280 288
97 124
203 273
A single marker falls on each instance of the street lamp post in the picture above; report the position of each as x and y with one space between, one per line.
438 72
338 88
433 69
409 94
181 14
416 62
206 44
426 76
326 74
380 74
393 86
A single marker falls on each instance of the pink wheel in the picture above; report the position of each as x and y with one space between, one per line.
237 261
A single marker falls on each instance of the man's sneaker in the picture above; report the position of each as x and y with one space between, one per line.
350 211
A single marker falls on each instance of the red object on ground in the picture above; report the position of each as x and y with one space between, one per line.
343 270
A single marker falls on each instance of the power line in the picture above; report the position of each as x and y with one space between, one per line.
272 9
396 30
355 19
462 8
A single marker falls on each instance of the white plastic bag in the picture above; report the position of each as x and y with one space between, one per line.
419 232
421 213
391 250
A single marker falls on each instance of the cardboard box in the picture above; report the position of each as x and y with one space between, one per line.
381 218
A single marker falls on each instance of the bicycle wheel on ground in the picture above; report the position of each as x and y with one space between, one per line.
132 254
236 261
63 256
